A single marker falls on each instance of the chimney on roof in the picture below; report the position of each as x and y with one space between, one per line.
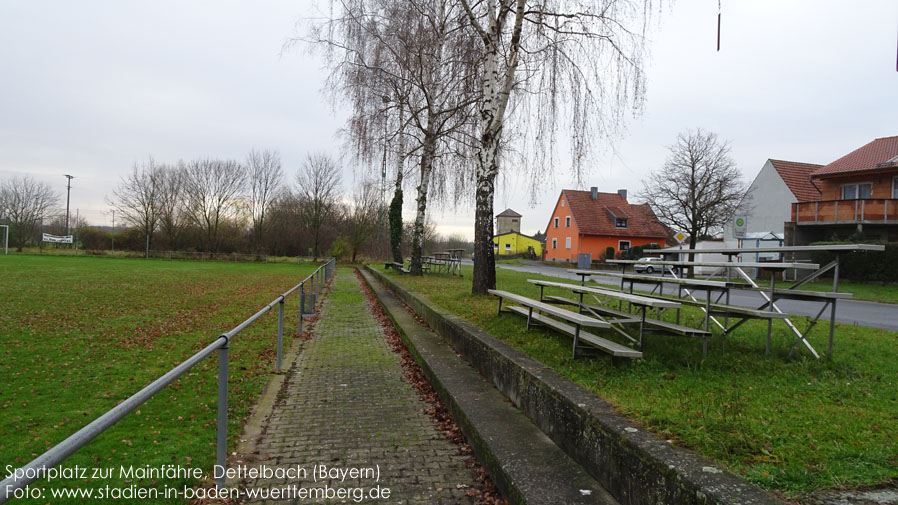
594 192
622 193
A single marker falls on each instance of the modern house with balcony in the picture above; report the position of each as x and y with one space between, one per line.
858 195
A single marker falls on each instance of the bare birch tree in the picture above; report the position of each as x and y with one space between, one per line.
265 177
26 202
211 191
318 182
699 188
412 58
580 60
137 199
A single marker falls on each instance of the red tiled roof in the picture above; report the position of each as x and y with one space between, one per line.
618 212
592 218
863 158
795 175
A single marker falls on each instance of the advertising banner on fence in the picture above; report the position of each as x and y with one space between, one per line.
59 239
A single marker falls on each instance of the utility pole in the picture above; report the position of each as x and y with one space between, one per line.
68 196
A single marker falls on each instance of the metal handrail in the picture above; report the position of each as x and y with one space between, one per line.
80 438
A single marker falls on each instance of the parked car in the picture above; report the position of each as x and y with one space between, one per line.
650 266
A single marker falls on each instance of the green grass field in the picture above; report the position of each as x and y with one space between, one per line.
790 425
80 334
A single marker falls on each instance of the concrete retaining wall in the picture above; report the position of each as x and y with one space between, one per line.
635 466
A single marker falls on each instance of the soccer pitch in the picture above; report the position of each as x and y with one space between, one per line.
80 334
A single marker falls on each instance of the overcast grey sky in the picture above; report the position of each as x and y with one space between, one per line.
88 88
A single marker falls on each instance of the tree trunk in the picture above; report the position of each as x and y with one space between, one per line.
427 155
484 259
396 221
395 216
692 255
487 169
484 256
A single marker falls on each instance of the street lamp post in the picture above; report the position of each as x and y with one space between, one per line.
68 196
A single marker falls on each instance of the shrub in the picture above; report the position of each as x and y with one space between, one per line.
863 266
609 253
340 247
94 239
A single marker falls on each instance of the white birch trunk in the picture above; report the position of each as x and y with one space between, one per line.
427 156
497 84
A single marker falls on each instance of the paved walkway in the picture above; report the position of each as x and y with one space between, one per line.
346 405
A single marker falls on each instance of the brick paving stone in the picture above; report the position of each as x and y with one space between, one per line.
345 404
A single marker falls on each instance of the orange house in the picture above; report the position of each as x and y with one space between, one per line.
588 222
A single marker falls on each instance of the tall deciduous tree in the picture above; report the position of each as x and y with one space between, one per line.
361 216
211 190
582 58
25 202
137 199
414 58
318 183
172 218
265 177
699 188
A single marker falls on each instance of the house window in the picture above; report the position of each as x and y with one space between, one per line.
623 245
895 187
567 221
554 243
567 242
562 203
620 222
514 220
556 222
857 191
507 247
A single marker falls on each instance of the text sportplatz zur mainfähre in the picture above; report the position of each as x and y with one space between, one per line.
304 482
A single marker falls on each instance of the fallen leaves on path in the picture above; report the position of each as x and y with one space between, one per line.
486 492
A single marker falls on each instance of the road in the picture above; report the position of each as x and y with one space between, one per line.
858 313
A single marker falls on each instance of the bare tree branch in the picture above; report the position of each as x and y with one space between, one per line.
699 188
24 203
318 185
265 177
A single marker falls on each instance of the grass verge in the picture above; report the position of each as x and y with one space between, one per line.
80 334
789 425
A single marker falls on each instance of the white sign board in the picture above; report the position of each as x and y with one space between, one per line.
740 226
58 239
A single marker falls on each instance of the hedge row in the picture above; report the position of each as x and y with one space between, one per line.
863 266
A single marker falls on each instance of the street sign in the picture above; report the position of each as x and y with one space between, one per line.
680 236
740 226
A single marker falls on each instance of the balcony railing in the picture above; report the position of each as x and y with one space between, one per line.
871 210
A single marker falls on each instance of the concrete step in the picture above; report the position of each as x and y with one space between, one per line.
523 462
